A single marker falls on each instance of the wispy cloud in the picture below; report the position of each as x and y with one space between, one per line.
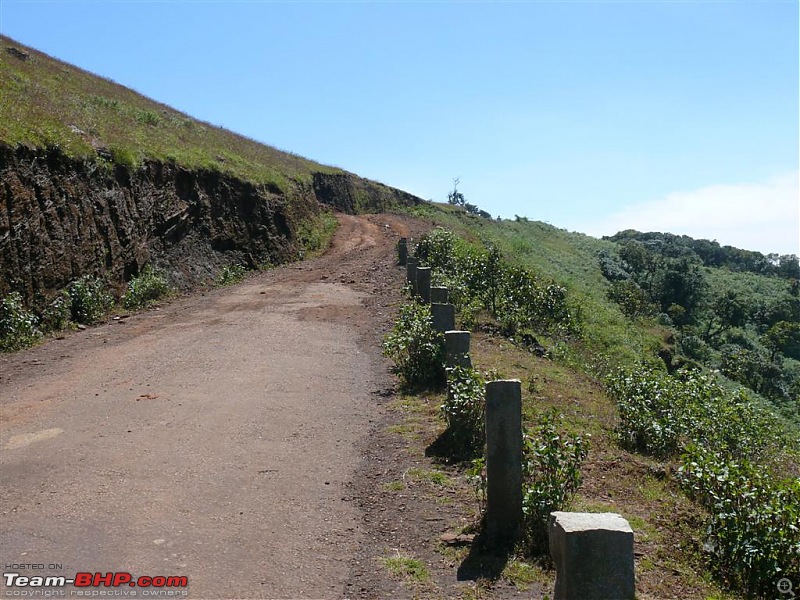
763 216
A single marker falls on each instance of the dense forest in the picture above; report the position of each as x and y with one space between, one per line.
736 311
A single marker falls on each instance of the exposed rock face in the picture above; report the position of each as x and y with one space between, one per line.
61 218
17 53
352 194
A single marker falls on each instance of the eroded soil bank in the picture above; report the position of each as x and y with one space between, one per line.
61 218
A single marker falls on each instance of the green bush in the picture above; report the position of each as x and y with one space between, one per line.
480 278
552 475
90 299
57 313
464 411
753 531
229 275
468 315
662 415
651 414
527 304
440 249
733 461
754 369
144 289
415 348
314 234
18 327
632 299
124 156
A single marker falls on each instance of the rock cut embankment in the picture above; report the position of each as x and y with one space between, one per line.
62 217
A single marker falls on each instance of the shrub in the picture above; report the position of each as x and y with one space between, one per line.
90 299
663 415
650 417
17 325
552 475
56 315
468 315
438 249
753 369
415 348
314 234
124 156
732 450
478 278
476 475
230 274
464 410
632 299
694 347
526 303
144 289
753 537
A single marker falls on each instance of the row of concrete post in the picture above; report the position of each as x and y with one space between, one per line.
593 552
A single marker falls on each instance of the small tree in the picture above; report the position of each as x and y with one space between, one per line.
783 337
455 197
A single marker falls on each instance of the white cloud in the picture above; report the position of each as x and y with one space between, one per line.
761 216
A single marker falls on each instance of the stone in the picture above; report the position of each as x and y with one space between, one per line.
439 295
411 273
593 554
456 539
444 317
18 53
457 347
424 284
503 461
402 251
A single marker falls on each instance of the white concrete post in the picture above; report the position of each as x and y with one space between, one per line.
593 553
503 461
457 346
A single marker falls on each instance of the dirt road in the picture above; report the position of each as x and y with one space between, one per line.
215 438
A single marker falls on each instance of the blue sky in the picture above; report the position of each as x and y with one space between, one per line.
592 116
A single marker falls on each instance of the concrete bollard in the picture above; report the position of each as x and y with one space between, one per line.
411 273
456 344
402 251
593 553
439 295
424 284
444 317
503 461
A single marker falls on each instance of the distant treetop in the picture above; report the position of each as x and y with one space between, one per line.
711 254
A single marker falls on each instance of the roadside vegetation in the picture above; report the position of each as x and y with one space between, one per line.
660 383
89 299
85 301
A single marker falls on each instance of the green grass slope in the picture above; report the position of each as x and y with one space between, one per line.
610 338
569 259
49 103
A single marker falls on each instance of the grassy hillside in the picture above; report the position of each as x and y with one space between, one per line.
705 467
570 259
100 182
46 102
612 336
